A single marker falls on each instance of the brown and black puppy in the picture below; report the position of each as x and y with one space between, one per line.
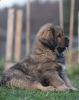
63 44
43 69
48 49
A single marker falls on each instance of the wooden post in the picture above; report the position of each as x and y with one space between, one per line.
17 50
9 40
61 14
28 29
71 30
78 37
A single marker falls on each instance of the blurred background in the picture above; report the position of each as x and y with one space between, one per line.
21 20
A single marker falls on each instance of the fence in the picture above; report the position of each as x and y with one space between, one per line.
18 33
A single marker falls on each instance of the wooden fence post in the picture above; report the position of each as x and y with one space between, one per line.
71 30
17 50
78 37
9 40
28 28
61 14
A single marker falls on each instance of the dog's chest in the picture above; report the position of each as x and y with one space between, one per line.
63 66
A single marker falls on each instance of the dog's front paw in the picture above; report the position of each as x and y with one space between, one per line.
73 89
62 88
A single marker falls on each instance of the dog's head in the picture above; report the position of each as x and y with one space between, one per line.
61 40
53 37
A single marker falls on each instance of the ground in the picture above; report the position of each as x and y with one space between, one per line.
20 94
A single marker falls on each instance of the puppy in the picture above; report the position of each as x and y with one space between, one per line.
43 69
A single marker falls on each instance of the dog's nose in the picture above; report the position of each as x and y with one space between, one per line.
66 42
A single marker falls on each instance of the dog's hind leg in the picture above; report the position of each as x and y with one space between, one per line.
15 83
39 86
17 79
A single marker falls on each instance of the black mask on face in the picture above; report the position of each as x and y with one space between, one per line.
51 44
66 42
62 49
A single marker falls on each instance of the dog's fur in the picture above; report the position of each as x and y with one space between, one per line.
44 68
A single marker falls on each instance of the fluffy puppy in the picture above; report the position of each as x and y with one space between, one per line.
43 68
49 49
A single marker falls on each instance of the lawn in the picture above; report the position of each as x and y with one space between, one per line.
19 94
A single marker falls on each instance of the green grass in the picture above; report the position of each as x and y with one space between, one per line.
20 94
73 69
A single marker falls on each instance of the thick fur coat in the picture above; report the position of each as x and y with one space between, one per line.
43 68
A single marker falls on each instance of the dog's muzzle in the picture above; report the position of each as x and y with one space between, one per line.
60 49
66 44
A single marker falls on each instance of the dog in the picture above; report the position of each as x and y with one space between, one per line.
44 68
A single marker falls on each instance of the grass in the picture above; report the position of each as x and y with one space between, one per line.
20 94
73 69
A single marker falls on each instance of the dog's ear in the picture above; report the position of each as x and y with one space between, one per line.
46 36
48 44
46 32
